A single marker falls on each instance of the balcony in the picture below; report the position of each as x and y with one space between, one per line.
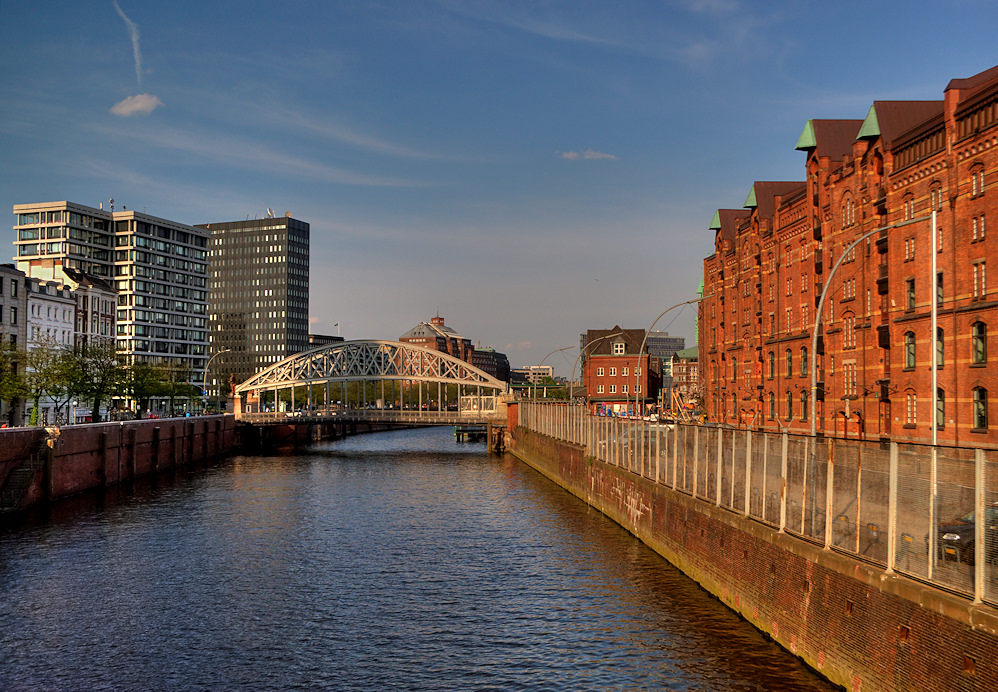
884 336
819 261
882 241
882 279
817 231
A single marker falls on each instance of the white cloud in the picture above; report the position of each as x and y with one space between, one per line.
141 104
587 154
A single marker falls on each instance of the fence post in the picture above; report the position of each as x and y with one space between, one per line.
892 509
696 458
933 533
658 455
717 473
675 451
980 552
748 470
829 489
783 484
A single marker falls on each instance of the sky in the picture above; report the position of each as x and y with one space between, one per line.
526 170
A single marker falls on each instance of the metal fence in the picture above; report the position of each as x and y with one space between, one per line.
912 509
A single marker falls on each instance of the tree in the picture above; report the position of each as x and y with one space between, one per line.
46 370
145 381
98 374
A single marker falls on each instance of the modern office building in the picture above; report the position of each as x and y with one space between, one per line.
662 346
491 361
259 294
159 268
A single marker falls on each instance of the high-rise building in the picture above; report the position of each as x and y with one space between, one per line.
259 294
158 267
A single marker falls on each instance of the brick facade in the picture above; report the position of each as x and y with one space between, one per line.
772 259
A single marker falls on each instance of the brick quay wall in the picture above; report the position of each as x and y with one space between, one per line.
80 458
859 626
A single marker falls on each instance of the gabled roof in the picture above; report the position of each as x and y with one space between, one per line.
83 279
425 329
973 89
631 337
762 196
979 80
725 222
831 138
691 353
889 120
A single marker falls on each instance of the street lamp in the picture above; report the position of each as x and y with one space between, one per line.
813 462
204 377
557 350
645 340
571 384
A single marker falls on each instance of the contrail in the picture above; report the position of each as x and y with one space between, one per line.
133 31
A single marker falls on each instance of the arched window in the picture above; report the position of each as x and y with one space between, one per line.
803 361
940 348
909 349
978 343
772 405
790 363
980 408
734 369
803 405
772 366
790 404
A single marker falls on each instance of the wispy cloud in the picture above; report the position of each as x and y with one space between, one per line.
227 151
588 154
141 104
133 33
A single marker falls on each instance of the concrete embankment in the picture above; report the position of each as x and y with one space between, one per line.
859 626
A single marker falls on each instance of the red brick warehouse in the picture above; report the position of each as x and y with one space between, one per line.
773 257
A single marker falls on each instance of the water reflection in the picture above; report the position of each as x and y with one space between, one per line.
400 561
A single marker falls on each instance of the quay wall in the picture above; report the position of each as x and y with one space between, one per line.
859 626
89 457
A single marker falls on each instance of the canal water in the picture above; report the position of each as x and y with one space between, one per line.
401 560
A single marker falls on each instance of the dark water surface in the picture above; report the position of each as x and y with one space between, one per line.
393 561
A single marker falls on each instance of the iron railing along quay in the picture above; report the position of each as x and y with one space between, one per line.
911 509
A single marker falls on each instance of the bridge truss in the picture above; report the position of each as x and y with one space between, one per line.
338 381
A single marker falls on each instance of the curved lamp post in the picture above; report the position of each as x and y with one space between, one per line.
557 350
813 456
645 340
204 377
571 383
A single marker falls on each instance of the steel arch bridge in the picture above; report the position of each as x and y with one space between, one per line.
411 370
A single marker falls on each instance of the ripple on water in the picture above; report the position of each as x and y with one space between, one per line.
391 561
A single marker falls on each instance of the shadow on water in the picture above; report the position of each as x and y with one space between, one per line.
402 560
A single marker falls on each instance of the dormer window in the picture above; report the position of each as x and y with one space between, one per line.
618 348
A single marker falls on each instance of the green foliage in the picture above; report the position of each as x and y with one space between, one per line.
97 373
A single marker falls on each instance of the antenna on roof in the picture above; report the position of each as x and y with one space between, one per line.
270 213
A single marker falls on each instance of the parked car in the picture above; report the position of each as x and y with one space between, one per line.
957 536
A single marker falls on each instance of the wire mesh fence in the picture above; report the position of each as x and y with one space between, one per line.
908 508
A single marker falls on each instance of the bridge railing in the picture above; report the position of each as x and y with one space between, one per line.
913 509
401 416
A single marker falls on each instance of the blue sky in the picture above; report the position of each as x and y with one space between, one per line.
528 169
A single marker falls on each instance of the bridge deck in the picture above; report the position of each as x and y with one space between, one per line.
374 416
